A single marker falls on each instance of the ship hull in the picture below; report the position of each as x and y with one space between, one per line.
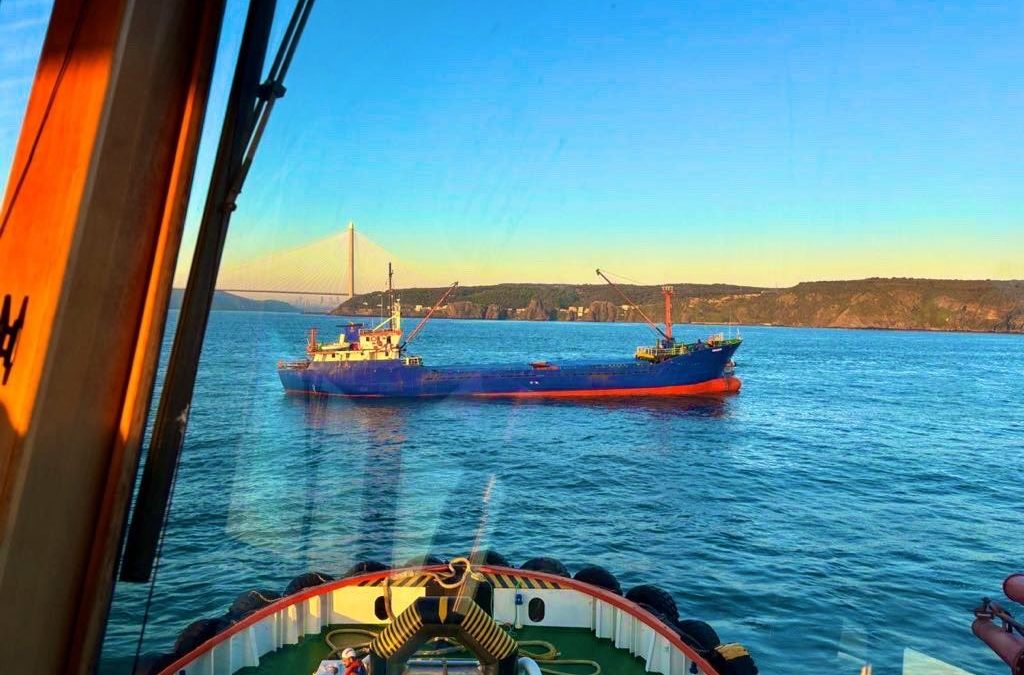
703 371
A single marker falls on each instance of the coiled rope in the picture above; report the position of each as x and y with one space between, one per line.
441 580
546 657
549 656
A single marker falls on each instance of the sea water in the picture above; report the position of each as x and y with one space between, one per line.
849 506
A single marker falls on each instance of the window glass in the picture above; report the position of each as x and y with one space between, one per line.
812 452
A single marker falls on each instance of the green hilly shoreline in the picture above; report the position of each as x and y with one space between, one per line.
223 301
894 303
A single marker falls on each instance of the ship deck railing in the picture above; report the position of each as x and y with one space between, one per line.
293 365
660 353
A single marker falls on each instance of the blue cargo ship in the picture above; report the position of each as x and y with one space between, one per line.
373 362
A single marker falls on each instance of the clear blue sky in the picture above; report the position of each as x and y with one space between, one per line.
695 141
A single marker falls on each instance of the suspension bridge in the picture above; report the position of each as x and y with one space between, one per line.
320 274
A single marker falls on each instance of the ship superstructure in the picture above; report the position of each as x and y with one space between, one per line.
358 344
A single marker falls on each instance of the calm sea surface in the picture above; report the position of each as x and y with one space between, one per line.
855 500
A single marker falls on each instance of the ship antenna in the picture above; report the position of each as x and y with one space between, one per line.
634 306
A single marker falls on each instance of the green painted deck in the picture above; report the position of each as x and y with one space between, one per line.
573 643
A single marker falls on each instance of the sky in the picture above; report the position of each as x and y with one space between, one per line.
757 143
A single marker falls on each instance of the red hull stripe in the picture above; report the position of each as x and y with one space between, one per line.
721 385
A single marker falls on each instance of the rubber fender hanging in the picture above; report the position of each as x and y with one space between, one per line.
198 632
655 611
306 580
490 557
657 598
595 575
698 634
365 567
161 663
732 659
549 565
248 602
151 664
457 618
424 561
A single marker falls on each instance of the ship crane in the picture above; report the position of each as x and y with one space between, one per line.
423 321
666 292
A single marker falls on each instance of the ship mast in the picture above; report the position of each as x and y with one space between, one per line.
667 291
391 293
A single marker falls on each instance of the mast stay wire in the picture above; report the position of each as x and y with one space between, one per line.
632 304
625 278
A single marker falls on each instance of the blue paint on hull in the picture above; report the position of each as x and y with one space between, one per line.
395 379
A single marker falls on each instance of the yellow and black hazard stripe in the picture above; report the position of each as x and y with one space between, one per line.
496 580
418 580
398 632
486 631
399 581
514 581
462 612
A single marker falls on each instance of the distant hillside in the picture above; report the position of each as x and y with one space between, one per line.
230 301
905 304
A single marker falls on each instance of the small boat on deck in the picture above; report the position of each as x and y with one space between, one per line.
374 362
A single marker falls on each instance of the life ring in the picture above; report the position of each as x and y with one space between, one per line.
458 618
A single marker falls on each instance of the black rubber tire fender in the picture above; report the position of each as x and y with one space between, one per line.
648 594
425 561
198 632
595 575
544 564
248 602
307 580
490 557
743 665
698 634
365 567
151 664
656 612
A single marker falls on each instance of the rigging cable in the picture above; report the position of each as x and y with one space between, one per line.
632 304
271 90
260 13
152 581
